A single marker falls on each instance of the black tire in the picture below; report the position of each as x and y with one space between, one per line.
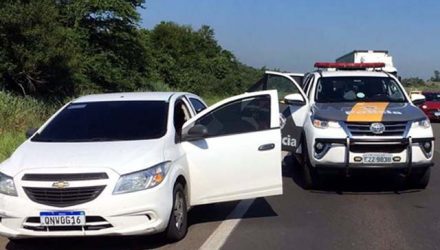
310 175
178 223
420 180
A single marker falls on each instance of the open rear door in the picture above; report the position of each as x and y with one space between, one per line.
233 149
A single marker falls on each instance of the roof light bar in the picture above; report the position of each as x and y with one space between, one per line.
343 65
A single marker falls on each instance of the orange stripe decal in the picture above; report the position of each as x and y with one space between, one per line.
367 112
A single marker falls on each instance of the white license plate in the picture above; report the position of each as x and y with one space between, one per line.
378 158
437 113
65 218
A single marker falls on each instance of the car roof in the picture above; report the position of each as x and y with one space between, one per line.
341 73
130 96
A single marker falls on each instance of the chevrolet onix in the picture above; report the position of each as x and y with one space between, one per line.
134 163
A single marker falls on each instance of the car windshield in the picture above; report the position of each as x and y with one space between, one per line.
107 121
432 97
358 89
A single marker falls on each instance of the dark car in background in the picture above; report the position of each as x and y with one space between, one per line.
432 105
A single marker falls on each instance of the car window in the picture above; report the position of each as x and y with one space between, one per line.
282 84
432 97
107 121
181 115
258 85
241 116
298 79
198 105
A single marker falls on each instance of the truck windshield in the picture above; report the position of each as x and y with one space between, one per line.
358 89
107 121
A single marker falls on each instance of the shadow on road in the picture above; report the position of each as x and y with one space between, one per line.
361 182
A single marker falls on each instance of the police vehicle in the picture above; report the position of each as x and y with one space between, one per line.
351 116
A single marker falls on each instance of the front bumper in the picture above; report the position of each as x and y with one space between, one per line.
143 212
340 153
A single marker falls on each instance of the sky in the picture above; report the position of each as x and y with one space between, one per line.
291 35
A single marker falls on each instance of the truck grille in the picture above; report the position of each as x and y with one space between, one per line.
63 197
363 128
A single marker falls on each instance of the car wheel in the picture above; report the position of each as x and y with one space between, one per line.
177 225
420 180
310 175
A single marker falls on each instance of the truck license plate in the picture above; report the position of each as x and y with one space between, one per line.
378 158
65 218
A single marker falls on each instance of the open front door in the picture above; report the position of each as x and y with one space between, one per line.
293 113
233 149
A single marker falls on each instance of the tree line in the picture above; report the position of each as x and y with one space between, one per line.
60 48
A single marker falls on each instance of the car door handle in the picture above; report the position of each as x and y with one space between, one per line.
266 147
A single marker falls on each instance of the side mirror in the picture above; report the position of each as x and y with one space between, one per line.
418 99
30 132
195 133
294 99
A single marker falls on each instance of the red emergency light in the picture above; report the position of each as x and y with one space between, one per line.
344 65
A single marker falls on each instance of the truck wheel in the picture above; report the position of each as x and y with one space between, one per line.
420 180
310 175
177 225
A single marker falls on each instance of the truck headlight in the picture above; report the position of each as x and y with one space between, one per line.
142 180
7 185
425 123
324 124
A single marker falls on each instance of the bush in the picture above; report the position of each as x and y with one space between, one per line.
17 115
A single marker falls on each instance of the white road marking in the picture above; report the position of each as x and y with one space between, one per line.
221 234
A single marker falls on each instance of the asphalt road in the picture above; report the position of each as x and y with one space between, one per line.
368 212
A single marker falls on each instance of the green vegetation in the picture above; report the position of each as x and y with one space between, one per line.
52 51
17 115
55 50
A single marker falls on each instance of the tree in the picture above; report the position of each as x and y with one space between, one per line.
59 48
436 77
37 53
67 47
412 82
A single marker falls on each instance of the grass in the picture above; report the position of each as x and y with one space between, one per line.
17 114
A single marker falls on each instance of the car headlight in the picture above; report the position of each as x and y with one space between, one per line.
142 180
425 123
7 185
324 124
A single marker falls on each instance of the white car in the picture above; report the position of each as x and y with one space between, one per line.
354 117
133 163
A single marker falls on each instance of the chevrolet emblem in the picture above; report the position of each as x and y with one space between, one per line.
60 184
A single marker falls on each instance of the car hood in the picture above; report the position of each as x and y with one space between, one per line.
121 156
367 112
432 105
